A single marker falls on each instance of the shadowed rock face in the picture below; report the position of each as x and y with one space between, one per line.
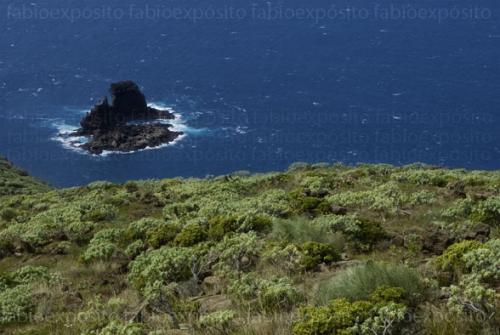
107 122
127 104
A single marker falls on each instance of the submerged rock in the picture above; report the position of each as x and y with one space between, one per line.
108 126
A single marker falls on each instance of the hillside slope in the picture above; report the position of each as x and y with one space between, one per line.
318 249
17 181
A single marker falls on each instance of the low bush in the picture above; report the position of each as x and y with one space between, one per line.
278 295
33 274
266 295
103 245
16 304
94 211
460 209
161 235
452 260
190 235
179 210
217 323
315 253
304 204
79 231
359 282
162 265
301 230
487 211
252 221
8 214
362 317
362 233
286 258
236 253
135 248
120 328
17 297
220 225
139 229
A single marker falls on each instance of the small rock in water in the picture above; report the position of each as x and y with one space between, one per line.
107 123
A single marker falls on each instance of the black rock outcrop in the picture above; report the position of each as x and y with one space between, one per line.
109 128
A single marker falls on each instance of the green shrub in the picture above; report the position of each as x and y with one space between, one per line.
103 245
315 186
420 198
267 295
220 226
135 248
360 282
422 177
460 209
244 289
163 265
179 210
161 234
471 296
487 211
386 198
17 298
340 316
218 323
252 221
301 230
278 295
16 304
33 274
478 275
362 233
140 228
8 214
303 204
452 258
385 319
191 234
288 258
484 261
274 202
315 253
79 231
94 211
120 328
236 253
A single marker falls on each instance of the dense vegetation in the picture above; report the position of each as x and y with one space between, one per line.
16 181
318 249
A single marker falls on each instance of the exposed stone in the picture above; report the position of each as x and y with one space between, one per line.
457 190
211 285
209 304
108 126
436 241
480 232
338 210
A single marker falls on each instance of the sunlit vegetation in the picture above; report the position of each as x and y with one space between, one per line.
318 249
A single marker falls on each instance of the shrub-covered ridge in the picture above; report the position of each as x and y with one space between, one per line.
317 249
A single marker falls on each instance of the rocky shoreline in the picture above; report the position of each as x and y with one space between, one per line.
109 128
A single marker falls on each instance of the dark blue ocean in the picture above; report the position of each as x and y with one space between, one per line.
258 84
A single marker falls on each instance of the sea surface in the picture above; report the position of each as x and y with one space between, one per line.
257 85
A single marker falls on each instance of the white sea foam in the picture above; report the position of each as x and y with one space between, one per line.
241 129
